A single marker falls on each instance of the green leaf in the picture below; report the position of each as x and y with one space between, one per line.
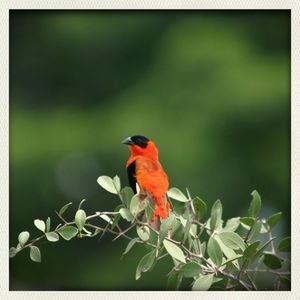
214 251
177 194
190 269
203 248
166 225
232 224
106 218
263 247
48 224
231 260
130 245
285 245
143 232
126 195
35 254
19 247
68 232
149 212
247 222
23 237
145 264
64 208
216 214
272 220
40 225
174 281
232 240
200 207
174 251
135 205
255 205
251 249
203 283
255 231
187 227
117 217
80 204
272 261
12 252
52 236
117 183
108 184
88 233
80 218
125 213
228 252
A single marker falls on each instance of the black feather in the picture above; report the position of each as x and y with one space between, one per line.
140 140
131 176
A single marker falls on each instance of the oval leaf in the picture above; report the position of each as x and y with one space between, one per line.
251 249
80 218
106 218
145 264
64 208
232 224
247 222
232 240
23 237
174 281
68 232
40 225
228 252
214 251
130 245
272 220
35 254
203 283
200 207
143 233
52 236
174 251
272 261
135 205
285 245
12 252
191 269
216 214
126 195
177 194
125 213
255 205
48 224
108 184
117 183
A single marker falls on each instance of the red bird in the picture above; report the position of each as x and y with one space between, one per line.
144 168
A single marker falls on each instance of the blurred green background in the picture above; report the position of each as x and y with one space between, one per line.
211 88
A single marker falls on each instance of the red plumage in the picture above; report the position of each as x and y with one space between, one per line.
144 167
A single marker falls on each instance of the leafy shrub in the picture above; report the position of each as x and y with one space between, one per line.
207 252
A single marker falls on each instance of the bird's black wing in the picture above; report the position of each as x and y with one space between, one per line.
131 176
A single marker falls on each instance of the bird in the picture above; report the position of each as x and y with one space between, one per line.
144 168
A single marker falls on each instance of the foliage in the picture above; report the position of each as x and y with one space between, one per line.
207 252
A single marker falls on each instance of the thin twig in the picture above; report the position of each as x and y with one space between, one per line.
123 232
269 271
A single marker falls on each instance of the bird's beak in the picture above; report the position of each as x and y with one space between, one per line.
128 141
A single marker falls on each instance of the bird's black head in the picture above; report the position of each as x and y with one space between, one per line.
138 140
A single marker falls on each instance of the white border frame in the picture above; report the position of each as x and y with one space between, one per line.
6 5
